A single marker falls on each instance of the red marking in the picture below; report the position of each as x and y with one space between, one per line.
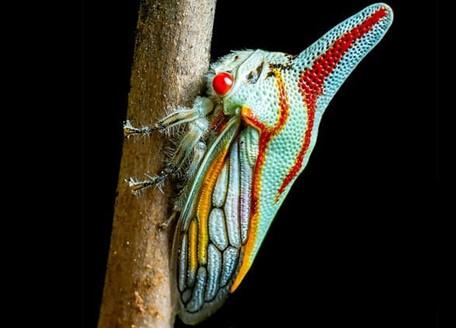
218 122
266 135
311 82
222 83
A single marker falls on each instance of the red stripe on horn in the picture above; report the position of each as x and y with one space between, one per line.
312 80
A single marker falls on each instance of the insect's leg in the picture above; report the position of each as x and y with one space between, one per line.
139 185
189 143
164 225
198 153
130 130
197 128
202 106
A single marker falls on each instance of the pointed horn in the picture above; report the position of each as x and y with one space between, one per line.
327 63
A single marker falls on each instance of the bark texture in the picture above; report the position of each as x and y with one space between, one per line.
170 59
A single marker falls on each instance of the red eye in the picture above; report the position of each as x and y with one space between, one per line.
222 83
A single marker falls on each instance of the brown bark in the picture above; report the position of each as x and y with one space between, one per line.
170 59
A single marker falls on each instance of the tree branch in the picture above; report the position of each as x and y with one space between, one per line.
170 60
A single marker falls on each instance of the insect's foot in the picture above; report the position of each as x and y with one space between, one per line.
164 225
137 186
130 130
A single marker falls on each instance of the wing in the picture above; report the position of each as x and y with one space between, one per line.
213 226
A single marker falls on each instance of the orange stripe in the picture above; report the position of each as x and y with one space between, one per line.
266 136
205 203
192 235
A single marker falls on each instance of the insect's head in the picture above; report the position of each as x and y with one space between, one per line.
236 77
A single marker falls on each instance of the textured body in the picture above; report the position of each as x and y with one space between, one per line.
245 146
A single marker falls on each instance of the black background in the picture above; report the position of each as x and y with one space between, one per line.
355 243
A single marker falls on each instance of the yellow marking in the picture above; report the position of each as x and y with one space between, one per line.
192 235
240 276
205 203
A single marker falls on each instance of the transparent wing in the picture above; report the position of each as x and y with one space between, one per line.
211 233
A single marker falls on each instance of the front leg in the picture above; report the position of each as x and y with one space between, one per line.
189 143
202 107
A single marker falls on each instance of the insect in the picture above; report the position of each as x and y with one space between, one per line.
244 144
